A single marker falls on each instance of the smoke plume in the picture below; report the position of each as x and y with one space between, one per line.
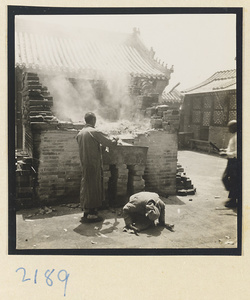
108 97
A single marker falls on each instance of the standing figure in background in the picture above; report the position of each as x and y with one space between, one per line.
91 143
142 210
229 177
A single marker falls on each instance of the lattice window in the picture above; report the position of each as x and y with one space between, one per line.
207 102
196 116
232 115
218 103
218 117
206 118
232 103
196 103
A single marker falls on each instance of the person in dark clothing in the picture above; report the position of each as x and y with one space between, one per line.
229 177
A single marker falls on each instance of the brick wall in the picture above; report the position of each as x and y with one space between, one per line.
148 165
59 172
59 167
160 172
125 167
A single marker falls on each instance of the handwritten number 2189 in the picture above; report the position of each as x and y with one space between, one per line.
62 276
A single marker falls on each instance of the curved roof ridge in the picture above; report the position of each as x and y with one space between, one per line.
216 76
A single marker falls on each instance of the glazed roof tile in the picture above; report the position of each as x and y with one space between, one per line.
65 53
172 94
220 81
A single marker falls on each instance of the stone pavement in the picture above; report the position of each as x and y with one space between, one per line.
201 220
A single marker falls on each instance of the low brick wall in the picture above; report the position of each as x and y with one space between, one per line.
59 171
148 165
160 172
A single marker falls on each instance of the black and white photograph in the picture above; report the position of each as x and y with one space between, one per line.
125 130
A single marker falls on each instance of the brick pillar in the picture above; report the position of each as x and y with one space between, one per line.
106 176
137 182
122 179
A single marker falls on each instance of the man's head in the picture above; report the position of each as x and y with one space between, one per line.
232 126
90 118
152 212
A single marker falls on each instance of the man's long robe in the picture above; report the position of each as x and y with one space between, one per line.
90 142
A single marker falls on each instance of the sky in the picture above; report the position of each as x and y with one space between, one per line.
197 45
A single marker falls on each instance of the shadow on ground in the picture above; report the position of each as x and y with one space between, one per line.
108 226
57 211
50 212
99 228
172 200
228 211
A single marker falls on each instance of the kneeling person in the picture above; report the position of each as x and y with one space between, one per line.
143 210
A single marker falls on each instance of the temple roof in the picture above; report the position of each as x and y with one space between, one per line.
219 81
51 48
172 94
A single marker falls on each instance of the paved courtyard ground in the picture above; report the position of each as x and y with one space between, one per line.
201 221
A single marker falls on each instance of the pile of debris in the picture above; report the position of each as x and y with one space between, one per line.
124 127
184 184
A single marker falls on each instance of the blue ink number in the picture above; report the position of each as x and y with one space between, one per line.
66 277
62 276
35 276
24 274
48 280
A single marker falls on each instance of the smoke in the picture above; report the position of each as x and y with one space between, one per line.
108 97
118 104
70 102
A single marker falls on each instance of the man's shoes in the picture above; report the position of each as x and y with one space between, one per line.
91 219
231 203
170 227
167 226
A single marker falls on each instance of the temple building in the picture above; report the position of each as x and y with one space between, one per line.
206 110
60 75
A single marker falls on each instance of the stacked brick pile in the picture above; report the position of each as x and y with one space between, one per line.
164 117
171 117
37 101
184 184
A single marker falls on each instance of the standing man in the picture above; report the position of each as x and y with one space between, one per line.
91 143
229 177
